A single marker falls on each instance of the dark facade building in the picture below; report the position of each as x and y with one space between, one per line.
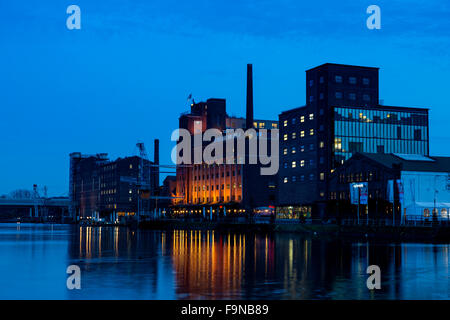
235 187
424 191
342 116
99 187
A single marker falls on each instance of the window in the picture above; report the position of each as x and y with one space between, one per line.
338 95
321 96
352 96
285 151
338 79
352 80
294 178
302 119
311 162
302 163
293 120
321 160
293 150
321 127
311 176
311 83
294 164
426 213
285 179
322 176
444 213
285 137
366 97
311 98
302 178
321 79
285 165
366 81
311 132
131 166
285 123
302 133
311 147
311 116
417 134
321 112
302 148
294 135
321 144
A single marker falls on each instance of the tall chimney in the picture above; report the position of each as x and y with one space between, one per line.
156 161
249 114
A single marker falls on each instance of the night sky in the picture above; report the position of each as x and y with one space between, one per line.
125 76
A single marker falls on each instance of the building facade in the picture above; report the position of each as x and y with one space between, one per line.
342 116
100 188
401 187
237 187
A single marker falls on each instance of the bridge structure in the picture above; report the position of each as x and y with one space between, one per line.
35 209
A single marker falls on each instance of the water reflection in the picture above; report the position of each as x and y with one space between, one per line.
120 263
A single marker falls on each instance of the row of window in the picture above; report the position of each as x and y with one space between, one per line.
339 79
301 163
217 199
206 188
302 178
302 119
294 134
202 177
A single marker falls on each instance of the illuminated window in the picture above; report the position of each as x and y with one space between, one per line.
285 137
302 148
293 150
302 119
302 163
311 116
294 164
261 125
285 151
311 132
302 133
322 176
274 125
444 213
285 180
255 124
426 213
321 144
131 166
294 135
285 123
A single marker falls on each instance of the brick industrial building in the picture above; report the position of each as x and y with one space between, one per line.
100 188
237 188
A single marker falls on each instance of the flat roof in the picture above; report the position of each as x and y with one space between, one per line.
341 65
383 107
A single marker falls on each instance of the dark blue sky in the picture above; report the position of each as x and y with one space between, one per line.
126 74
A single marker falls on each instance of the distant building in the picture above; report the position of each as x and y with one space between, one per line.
99 187
342 116
400 186
224 188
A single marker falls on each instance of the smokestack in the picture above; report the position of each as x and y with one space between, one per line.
156 161
249 114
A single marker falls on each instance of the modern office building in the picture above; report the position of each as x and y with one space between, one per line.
342 116
223 188
100 188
